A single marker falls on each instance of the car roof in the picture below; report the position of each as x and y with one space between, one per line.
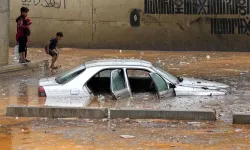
118 62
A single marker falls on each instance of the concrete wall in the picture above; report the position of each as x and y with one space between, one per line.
4 31
107 25
75 21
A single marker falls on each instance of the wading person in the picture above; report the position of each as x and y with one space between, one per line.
52 49
22 34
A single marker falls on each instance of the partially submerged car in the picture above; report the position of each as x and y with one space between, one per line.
121 78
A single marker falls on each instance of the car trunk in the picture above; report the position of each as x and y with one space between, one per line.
47 81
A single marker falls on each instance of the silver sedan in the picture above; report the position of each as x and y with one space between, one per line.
121 78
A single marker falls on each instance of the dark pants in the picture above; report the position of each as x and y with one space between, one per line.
52 53
26 52
22 45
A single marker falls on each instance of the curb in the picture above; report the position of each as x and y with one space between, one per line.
209 115
241 118
67 112
19 67
56 112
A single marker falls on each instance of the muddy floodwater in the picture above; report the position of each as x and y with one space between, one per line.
232 68
110 134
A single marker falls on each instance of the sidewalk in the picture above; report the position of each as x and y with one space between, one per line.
15 66
19 67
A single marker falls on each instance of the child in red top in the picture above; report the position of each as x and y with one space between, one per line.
28 21
27 29
21 33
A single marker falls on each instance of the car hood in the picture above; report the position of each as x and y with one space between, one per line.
200 83
47 81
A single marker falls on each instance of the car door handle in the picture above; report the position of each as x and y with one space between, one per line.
74 91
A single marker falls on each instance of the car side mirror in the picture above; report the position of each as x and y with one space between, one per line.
172 86
180 79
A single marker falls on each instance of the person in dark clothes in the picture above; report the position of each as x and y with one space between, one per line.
22 34
53 51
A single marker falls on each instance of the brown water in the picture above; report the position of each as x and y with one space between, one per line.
102 134
231 68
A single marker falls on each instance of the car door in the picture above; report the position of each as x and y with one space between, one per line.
163 89
118 85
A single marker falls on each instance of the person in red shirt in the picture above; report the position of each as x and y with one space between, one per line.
28 21
22 34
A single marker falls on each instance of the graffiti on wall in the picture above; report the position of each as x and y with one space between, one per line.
227 26
45 3
207 7
193 7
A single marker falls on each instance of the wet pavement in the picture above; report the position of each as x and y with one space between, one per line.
74 133
231 68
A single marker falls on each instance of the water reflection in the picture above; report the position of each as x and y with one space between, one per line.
67 101
41 101
21 88
4 98
23 95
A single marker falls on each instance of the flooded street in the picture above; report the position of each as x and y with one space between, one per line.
232 68
107 134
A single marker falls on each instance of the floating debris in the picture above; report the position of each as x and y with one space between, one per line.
218 131
105 120
100 98
208 57
197 124
183 63
127 119
238 130
127 136
235 70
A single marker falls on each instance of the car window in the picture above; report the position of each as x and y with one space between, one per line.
104 73
137 73
159 82
169 76
118 81
69 75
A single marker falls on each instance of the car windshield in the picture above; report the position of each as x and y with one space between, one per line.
169 76
69 75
